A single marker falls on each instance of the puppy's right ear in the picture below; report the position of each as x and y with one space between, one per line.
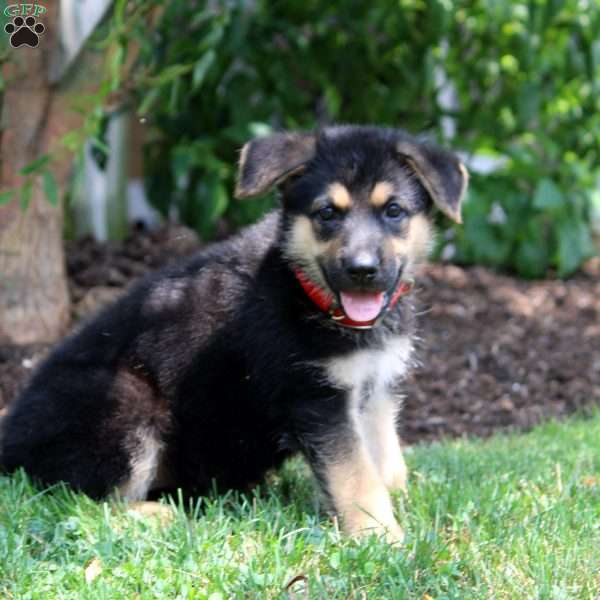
267 161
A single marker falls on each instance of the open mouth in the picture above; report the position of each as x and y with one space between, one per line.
362 307
359 309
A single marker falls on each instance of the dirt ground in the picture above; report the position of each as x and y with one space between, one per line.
496 352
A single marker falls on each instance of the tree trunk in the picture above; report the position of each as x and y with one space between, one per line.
34 300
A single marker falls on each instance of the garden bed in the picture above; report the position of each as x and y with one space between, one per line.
496 352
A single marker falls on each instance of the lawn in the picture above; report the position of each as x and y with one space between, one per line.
512 517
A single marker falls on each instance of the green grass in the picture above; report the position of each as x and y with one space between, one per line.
513 517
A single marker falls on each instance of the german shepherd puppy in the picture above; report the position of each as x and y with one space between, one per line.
291 336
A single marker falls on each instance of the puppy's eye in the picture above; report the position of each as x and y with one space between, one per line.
394 211
327 213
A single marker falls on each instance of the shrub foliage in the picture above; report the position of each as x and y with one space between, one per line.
523 79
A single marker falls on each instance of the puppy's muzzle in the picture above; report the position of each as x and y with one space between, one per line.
362 269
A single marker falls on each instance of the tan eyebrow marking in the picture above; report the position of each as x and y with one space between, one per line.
340 197
381 193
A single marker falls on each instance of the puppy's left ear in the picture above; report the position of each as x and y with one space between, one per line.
440 172
268 161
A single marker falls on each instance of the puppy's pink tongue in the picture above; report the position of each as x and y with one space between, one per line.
362 307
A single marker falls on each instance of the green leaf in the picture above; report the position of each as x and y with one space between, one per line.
202 67
547 195
531 259
216 201
175 95
72 140
531 256
214 36
258 129
148 102
100 145
6 197
488 245
116 64
26 192
170 74
50 187
333 100
35 165
207 204
594 199
574 245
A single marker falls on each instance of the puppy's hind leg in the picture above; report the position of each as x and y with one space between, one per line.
144 418
147 470
145 453
87 427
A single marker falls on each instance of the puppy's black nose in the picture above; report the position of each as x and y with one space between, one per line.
362 268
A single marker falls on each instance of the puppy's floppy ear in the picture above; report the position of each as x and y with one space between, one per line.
267 161
440 172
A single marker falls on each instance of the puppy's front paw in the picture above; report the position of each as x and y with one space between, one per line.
365 526
394 534
153 510
395 474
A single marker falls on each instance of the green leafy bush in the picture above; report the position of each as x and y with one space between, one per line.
525 77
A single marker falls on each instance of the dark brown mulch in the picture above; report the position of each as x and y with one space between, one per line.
500 352
496 352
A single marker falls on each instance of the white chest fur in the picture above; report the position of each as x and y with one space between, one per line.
379 367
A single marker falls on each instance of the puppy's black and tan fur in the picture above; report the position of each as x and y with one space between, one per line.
223 365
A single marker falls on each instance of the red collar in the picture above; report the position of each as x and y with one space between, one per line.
328 304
